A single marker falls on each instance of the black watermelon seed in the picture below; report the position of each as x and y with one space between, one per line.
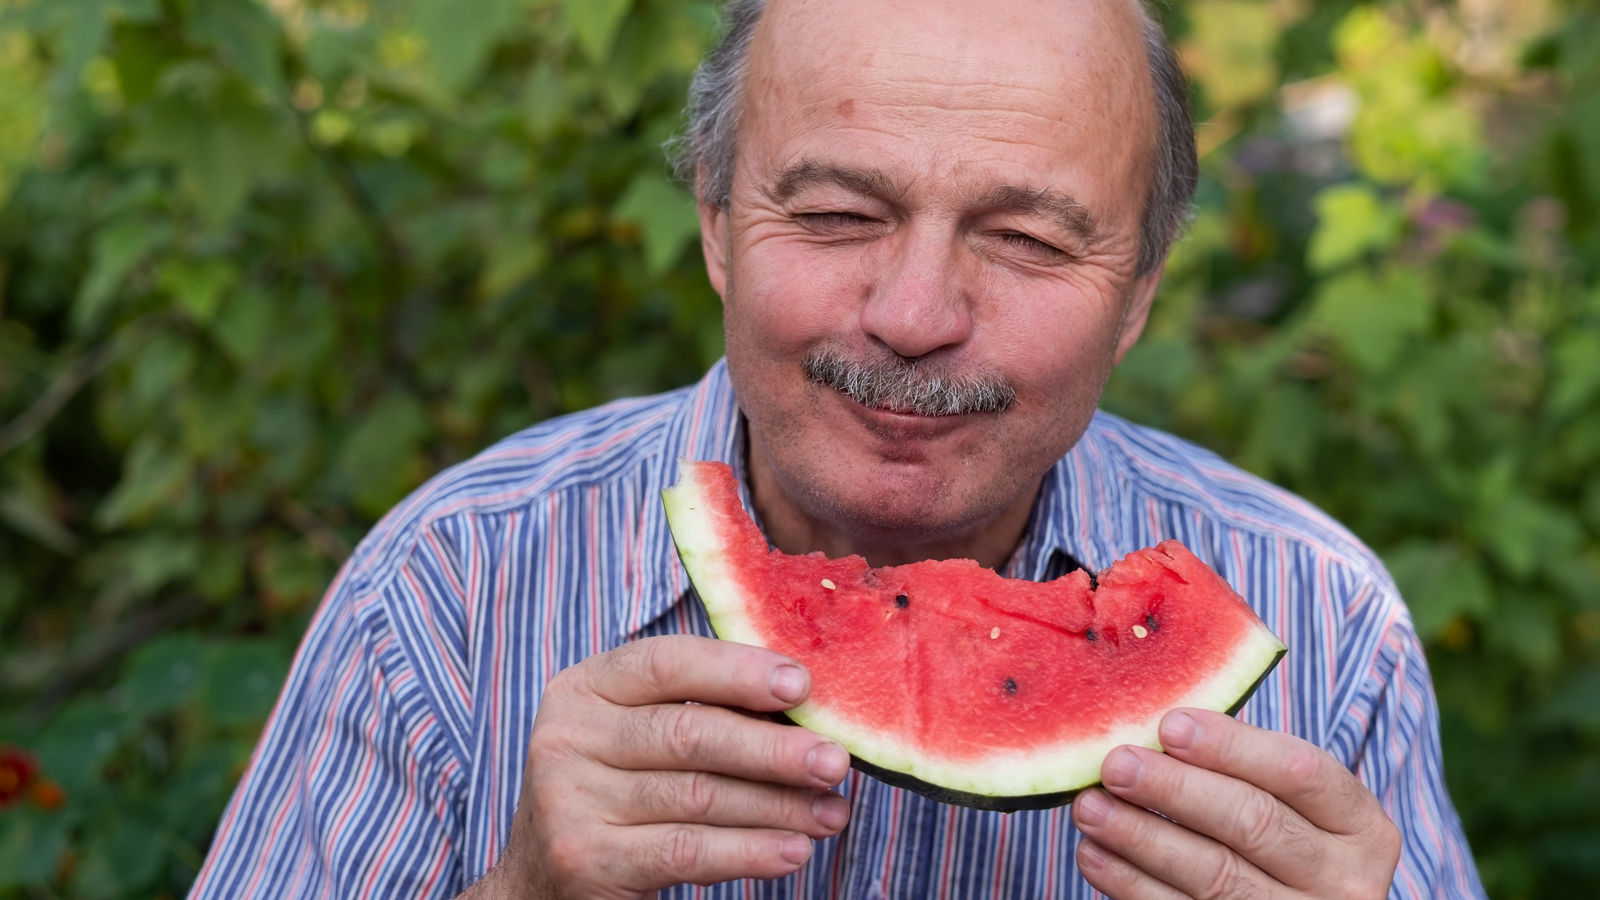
1094 582
1151 622
902 601
1091 635
1011 685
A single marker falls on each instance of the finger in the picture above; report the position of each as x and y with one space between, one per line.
1296 772
677 668
705 798
1148 855
689 737
1235 817
1114 876
706 854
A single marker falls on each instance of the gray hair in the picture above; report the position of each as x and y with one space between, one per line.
703 153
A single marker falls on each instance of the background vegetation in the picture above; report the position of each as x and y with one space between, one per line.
264 266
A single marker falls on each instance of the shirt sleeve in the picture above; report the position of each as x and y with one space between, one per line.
350 792
1389 735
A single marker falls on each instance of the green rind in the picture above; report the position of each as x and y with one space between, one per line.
1026 780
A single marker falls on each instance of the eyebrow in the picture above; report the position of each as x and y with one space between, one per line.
810 173
1046 203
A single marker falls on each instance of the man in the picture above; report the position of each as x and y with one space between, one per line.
935 225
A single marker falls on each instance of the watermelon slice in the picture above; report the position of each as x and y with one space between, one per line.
947 679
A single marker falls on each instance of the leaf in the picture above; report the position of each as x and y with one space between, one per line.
153 477
164 675
220 140
665 214
459 45
595 24
242 680
380 460
31 845
1373 319
1229 51
1441 584
1520 531
1576 373
246 36
1351 220
119 247
197 285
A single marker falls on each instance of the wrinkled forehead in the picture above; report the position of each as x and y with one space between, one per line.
1072 51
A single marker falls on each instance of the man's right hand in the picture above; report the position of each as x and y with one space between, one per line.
645 769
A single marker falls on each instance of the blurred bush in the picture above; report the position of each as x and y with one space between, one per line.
264 266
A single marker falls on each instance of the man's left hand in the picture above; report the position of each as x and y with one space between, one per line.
1231 810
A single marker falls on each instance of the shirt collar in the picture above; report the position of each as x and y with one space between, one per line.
1079 517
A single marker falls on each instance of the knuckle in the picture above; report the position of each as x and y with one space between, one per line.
683 732
1262 824
681 851
654 663
1228 881
565 856
698 797
1303 767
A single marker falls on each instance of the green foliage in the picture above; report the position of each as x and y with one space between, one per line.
265 267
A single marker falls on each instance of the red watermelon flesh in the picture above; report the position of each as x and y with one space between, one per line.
949 679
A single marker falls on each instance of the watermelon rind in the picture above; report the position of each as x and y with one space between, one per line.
1005 780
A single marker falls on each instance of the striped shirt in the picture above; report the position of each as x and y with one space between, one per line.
392 763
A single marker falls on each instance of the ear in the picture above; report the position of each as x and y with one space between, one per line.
1140 297
713 239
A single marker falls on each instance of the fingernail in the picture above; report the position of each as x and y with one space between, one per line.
1121 768
828 762
1094 807
788 683
831 811
795 848
1177 730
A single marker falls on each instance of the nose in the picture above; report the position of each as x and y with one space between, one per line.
918 302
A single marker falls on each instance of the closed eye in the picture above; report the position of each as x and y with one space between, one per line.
1029 244
826 221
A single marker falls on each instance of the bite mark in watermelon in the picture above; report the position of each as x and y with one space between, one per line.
946 678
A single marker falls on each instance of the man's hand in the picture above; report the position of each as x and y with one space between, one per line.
1243 812
643 771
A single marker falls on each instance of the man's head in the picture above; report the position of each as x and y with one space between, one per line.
936 225
704 155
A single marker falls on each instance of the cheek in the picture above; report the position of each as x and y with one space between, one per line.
785 297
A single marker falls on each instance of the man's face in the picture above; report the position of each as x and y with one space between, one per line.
929 189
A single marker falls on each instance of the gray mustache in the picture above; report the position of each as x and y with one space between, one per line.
903 386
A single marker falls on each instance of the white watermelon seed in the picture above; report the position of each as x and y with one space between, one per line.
994 632
1139 631
828 583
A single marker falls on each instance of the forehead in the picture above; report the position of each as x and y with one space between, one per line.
952 84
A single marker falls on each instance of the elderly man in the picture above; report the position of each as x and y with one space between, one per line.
936 226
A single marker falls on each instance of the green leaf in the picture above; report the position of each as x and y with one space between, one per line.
1441 584
31 845
381 458
246 36
222 142
164 675
154 477
119 247
459 44
1351 220
595 23
1577 373
197 285
242 680
1373 319
1521 531
1230 50
665 214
